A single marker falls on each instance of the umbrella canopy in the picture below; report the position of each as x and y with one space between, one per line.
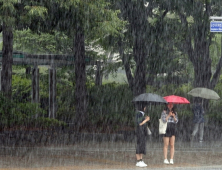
149 98
176 99
204 93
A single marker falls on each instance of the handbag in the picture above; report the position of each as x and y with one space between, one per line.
149 131
162 127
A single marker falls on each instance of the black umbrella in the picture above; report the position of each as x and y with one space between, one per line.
150 98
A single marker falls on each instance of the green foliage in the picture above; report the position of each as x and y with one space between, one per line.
215 50
22 115
36 11
97 17
118 76
168 89
214 112
21 88
13 10
218 88
65 94
48 123
110 104
43 82
21 84
7 10
150 89
65 101
17 114
33 43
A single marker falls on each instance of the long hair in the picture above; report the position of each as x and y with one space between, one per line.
140 106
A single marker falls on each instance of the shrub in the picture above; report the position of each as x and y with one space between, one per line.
47 123
16 115
110 104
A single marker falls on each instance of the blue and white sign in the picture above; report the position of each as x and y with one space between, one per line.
216 26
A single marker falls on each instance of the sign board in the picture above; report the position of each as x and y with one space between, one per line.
216 26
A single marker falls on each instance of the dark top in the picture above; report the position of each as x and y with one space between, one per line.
198 112
140 130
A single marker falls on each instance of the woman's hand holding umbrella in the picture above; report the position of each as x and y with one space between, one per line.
171 113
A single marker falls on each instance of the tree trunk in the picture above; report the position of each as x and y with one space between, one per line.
28 71
140 73
7 61
202 64
136 13
217 73
150 79
200 57
199 53
126 64
138 24
80 77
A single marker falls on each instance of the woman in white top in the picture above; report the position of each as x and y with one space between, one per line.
170 116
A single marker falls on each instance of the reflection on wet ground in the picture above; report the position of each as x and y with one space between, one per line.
109 155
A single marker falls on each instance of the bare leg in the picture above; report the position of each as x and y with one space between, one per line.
139 156
165 146
172 141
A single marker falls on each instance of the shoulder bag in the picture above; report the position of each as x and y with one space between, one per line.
162 127
149 131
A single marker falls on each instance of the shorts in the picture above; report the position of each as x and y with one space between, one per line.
170 131
141 145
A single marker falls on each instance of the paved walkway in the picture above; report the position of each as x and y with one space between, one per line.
110 156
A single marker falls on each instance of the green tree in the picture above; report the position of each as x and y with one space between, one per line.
143 48
35 43
83 21
196 38
14 14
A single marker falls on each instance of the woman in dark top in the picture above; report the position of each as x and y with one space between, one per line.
141 134
170 116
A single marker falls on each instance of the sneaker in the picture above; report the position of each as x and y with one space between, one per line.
166 161
137 164
171 161
144 163
141 164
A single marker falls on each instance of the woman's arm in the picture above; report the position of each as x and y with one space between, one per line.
164 116
175 118
145 120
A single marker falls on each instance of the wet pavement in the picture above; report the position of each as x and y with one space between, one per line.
110 156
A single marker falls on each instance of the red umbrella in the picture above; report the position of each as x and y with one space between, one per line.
176 99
